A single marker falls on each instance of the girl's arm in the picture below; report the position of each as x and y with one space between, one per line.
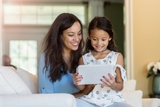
86 88
77 78
115 83
85 91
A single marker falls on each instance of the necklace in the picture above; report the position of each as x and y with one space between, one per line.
101 51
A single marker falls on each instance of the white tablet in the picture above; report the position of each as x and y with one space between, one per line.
93 73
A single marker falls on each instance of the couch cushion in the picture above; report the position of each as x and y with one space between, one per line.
38 100
29 79
11 83
151 102
133 98
129 85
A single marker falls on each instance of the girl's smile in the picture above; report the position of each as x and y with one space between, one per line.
99 39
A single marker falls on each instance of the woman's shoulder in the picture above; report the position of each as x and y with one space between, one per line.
42 57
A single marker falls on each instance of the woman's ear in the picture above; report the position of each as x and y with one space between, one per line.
88 37
110 39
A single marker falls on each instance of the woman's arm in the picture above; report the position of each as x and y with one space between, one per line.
41 65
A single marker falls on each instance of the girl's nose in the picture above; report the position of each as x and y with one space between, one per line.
98 42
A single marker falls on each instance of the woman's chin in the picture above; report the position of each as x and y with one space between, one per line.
75 48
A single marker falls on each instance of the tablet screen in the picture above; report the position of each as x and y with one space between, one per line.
93 73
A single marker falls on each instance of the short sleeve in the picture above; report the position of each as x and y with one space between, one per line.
123 72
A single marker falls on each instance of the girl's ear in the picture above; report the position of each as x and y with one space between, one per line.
110 39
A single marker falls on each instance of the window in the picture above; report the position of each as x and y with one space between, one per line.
39 14
24 54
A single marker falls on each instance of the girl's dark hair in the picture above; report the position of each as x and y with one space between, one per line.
104 24
53 47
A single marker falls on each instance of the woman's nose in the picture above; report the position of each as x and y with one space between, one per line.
76 38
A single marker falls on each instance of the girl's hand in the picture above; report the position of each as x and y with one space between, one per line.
76 78
110 82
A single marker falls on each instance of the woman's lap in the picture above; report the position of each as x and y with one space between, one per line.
82 103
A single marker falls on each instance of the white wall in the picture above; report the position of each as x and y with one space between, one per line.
146 40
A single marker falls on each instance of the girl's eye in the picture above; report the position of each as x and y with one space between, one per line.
70 35
103 39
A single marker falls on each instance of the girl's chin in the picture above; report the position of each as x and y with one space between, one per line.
99 50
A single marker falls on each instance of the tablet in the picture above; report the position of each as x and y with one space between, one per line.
93 73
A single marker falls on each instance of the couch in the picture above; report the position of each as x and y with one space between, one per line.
19 89
134 97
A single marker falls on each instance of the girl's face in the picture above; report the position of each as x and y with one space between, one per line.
99 39
71 37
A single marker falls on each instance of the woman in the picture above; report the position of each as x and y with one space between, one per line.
62 49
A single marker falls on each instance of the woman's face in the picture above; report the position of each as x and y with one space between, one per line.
71 37
99 39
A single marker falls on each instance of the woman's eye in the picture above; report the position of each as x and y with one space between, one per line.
94 39
79 34
103 39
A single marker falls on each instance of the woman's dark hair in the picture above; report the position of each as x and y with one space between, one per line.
53 47
104 24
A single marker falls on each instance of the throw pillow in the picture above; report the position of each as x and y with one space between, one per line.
29 79
11 83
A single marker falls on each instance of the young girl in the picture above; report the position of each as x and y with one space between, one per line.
101 49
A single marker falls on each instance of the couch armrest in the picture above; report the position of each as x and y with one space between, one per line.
38 100
133 98
151 102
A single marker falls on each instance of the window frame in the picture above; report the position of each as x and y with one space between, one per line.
47 4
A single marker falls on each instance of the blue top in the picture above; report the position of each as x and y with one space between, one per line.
65 85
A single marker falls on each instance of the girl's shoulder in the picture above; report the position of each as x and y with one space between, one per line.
113 53
87 57
87 54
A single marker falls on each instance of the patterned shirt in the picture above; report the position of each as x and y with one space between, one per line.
103 96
